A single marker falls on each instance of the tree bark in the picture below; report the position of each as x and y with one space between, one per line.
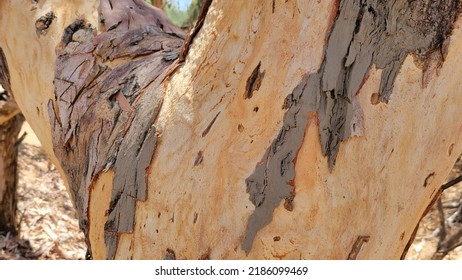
10 125
320 130
158 3
8 173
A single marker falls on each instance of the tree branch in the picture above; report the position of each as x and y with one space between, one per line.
451 183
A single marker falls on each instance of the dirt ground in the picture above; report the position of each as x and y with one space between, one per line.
428 235
49 228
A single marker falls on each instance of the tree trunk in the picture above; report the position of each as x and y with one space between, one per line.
10 125
158 3
320 130
8 173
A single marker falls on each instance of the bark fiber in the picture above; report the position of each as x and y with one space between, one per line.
10 125
108 94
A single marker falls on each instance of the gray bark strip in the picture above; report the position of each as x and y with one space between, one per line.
365 33
107 96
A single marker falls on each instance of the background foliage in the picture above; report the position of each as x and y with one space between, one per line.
183 13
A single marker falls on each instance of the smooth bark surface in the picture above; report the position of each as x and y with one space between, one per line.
278 130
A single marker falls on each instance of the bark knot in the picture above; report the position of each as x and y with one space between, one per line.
43 23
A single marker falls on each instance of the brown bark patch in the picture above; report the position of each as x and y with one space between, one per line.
199 158
357 246
401 237
196 215
375 98
205 256
289 201
429 179
451 148
43 23
107 96
254 82
170 255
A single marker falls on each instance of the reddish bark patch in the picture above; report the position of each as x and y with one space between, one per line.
205 256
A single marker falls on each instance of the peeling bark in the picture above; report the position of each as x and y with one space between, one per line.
108 95
200 21
163 140
365 33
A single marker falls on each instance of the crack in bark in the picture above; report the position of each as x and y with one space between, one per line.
200 21
357 246
254 82
364 33
207 129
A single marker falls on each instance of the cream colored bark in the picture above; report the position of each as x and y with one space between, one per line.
31 58
212 138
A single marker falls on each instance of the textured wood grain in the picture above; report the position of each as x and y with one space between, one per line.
384 99
10 125
108 95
